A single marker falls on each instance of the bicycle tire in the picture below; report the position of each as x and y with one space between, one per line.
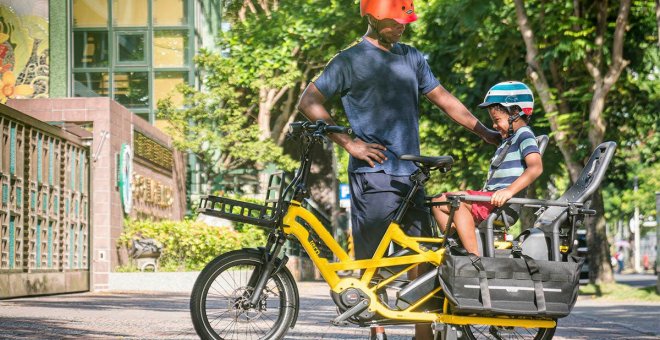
228 320
483 332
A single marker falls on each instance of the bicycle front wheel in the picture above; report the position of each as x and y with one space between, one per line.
483 332
217 303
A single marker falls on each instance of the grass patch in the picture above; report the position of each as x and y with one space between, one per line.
615 291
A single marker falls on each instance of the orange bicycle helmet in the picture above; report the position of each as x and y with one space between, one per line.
401 11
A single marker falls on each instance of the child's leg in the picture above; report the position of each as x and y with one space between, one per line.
463 221
441 212
465 227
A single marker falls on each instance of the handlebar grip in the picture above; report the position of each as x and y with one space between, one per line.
338 129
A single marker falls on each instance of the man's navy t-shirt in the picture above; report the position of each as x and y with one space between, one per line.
380 93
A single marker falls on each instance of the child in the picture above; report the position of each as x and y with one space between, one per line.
516 163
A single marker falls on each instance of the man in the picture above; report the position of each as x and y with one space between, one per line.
380 81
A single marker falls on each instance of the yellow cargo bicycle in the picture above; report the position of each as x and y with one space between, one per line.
250 294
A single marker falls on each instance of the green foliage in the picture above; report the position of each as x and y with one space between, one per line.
214 126
250 88
190 245
473 44
620 292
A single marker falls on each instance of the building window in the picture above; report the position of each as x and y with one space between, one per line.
90 49
131 48
91 84
134 51
170 48
131 89
128 13
90 13
170 13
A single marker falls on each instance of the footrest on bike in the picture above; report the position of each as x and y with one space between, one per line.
238 211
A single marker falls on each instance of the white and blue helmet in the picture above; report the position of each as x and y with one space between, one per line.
510 93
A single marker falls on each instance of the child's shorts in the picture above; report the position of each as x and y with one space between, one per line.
481 210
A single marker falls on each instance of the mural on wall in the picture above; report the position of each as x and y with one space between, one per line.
23 49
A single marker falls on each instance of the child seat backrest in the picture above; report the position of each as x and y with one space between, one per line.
587 183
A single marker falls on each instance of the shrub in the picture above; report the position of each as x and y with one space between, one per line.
190 245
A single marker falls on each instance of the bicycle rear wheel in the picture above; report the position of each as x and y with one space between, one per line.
217 303
482 332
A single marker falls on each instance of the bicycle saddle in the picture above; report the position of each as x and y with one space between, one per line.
439 162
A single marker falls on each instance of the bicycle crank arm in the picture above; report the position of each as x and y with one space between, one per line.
357 309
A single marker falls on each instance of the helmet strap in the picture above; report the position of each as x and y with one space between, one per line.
512 119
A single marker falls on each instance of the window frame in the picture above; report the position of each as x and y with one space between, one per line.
147 65
147 47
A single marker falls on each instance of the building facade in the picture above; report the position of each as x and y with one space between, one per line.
90 73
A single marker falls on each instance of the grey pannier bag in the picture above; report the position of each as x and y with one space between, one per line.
510 286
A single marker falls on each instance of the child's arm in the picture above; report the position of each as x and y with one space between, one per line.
533 171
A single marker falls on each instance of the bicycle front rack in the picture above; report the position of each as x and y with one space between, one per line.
246 212
237 211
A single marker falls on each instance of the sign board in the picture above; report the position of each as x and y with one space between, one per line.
125 176
344 195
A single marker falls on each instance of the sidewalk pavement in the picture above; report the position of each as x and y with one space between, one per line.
155 306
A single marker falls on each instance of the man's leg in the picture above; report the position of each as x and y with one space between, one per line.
375 198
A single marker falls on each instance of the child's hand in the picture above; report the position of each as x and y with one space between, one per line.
500 197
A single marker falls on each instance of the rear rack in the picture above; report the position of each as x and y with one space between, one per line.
246 212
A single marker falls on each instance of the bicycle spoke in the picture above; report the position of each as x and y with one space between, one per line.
228 325
496 333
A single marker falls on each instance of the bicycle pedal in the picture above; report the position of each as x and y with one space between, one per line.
340 323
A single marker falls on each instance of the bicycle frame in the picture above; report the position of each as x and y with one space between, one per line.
329 270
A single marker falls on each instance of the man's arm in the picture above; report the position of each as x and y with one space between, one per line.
532 172
461 115
311 105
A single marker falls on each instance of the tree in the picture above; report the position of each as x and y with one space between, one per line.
269 53
216 126
574 53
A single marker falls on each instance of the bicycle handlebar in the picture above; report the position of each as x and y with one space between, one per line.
318 128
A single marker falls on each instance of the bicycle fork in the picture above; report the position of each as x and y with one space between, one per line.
272 265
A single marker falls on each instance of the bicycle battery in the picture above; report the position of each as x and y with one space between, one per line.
417 289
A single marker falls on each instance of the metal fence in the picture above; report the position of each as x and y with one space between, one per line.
44 215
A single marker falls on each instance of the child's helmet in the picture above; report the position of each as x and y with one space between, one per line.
402 11
510 93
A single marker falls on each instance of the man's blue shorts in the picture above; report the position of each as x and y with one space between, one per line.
375 199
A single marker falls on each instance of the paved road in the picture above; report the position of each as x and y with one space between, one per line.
636 280
163 315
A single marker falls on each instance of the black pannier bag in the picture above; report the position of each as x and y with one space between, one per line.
510 286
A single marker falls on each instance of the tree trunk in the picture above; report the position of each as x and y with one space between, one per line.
600 266
540 82
657 18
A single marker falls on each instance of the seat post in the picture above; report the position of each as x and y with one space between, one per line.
419 177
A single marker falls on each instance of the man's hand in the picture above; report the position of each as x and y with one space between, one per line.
500 197
491 137
368 152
